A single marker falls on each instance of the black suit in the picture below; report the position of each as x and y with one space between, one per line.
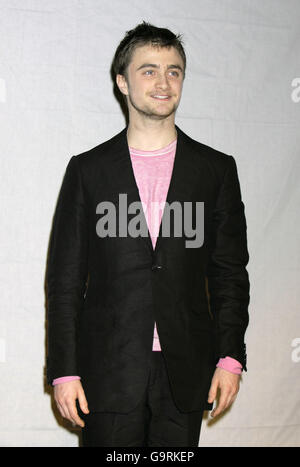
104 294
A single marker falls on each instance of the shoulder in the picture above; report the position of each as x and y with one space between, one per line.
101 152
216 160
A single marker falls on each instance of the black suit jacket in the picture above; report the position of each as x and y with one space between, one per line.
104 294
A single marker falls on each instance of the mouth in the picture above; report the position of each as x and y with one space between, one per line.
161 97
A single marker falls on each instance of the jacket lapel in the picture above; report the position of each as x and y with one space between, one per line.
125 181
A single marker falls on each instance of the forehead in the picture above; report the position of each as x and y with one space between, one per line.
155 54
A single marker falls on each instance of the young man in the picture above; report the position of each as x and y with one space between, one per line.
147 326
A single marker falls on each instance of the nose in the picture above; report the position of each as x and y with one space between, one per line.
162 81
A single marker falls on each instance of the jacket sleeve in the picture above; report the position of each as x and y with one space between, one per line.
228 281
66 274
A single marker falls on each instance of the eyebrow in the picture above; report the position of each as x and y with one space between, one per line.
153 65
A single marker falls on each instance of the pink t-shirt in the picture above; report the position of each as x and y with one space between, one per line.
152 171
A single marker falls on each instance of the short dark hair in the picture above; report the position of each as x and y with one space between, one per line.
144 34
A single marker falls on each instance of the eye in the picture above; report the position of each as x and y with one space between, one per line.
174 73
148 72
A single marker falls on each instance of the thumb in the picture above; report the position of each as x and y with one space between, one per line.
83 402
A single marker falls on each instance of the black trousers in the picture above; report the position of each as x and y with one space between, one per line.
155 421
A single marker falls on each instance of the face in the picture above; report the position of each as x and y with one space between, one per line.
154 82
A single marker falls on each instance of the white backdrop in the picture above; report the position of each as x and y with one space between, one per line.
241 95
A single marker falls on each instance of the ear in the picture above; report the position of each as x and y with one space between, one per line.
122 84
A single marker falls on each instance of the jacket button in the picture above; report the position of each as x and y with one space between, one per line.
156 267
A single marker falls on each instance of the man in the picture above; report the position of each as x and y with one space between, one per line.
145 326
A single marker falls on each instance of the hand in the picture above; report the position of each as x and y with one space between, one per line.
229 384
65 395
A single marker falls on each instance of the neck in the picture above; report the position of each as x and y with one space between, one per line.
151 137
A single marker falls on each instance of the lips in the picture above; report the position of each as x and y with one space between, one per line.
161 97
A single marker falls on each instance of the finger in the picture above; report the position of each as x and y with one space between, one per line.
61 410
60 403
74 417
225 401
220 406
212 392
231 400
83 402
65 412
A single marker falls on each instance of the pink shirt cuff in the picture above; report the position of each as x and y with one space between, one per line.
64 379
230 364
